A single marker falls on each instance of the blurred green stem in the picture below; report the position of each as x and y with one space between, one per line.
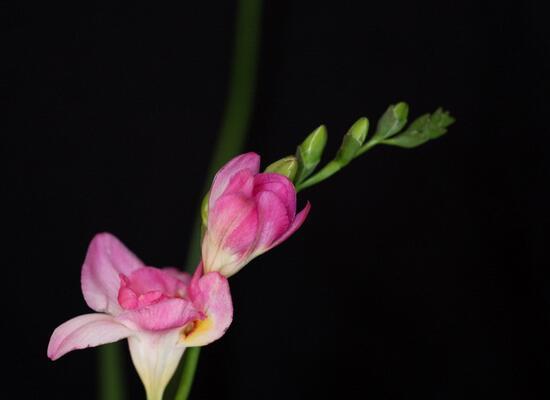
238 107
231 139
111 377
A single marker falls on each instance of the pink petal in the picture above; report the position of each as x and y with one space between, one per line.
247 161
234 222
298 221
150 279
127 298
166 314
211 294
178 274
106 259
242 183
281 186
273 219
88 330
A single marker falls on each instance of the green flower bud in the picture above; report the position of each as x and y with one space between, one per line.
392 121
359 130
287 166
352 141
204 209
310 151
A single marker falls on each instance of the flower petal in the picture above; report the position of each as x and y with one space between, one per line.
87 330
150 279
242 183
298 221
211 295
281 186
178 274
106 259
232 230
166 314
156 356
250 161
273 220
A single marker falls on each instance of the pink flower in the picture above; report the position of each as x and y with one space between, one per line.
159 311
248 214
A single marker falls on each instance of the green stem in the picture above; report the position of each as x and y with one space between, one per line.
366 147
189 366
328 170
331 168
231 139
111 377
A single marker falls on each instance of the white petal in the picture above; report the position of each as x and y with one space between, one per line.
156 357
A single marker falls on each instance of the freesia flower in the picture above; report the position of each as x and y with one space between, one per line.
159 311
248 214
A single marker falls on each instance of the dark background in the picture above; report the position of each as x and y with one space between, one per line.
419 273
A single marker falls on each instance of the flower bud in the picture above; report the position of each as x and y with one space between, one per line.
310 151
248 214
287 166
352 141
359 130
392 121
204 209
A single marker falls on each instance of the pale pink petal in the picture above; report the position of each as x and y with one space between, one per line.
106 259
298 221
248 161
281 186
88 330
273 220
211 294
166 314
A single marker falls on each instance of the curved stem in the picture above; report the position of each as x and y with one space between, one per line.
231 139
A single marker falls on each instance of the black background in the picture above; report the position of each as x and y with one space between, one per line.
419 273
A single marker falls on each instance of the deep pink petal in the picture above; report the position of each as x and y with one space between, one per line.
234 222
88 330
106 259
247 161
273 220
210 293
166 314
298 221
242 183
127 298
281 186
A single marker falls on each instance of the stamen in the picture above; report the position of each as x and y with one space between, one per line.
188 329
